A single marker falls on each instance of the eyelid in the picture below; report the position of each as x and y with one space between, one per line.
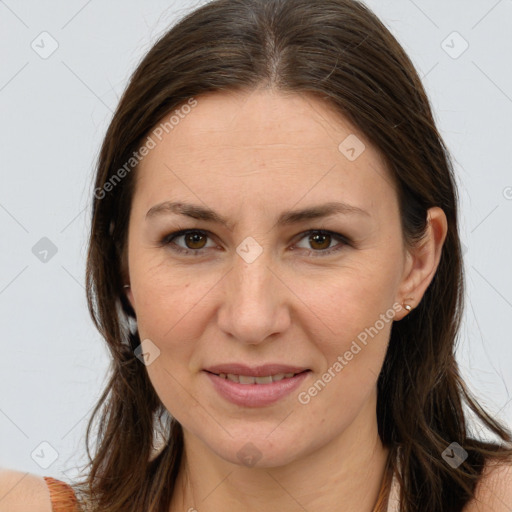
168 240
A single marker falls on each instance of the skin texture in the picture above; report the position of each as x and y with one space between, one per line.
20 492
262 153
249 156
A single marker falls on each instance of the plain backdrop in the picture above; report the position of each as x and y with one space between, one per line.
64 65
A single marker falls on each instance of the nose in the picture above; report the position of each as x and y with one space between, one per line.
255 303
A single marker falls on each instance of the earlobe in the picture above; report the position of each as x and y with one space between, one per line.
423 260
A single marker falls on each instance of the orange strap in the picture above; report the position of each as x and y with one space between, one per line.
62 495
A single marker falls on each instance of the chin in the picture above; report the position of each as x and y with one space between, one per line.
258 450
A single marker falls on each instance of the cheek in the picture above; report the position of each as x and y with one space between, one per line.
348 300
352 364
173 307
165 294
167 315
355 317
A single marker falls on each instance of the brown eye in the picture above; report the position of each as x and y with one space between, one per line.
190 241
320 241
195 240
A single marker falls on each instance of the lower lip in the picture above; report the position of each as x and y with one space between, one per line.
256 395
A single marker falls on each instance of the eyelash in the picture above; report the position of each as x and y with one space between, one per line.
168 240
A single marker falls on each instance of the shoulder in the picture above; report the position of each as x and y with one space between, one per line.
20 491
494 490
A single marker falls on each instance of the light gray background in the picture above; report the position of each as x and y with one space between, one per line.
54 113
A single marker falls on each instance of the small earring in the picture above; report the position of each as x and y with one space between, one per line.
126 286
408 307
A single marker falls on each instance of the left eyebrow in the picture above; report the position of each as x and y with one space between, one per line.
286 218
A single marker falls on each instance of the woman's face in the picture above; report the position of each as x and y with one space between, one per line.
257 291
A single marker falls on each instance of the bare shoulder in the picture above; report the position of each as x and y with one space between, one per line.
494 490
20 491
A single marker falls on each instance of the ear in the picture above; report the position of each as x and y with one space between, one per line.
422 261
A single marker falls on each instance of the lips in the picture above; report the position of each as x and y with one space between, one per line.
256 386
265 370
247 379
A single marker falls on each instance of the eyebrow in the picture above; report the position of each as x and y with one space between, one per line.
286 218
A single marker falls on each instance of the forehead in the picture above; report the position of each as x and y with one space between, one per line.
261 141
260 117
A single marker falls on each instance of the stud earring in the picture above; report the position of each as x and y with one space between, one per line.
126 286
408 307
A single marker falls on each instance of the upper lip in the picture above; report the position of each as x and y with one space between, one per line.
254 371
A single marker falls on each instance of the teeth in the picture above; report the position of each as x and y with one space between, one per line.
264 380
246 379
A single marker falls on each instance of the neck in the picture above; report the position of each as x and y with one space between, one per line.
345 474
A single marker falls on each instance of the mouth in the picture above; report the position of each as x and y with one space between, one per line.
249 379
259 386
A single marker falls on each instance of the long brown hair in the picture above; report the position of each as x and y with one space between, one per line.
339 52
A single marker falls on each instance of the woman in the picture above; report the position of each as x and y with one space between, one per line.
275 264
